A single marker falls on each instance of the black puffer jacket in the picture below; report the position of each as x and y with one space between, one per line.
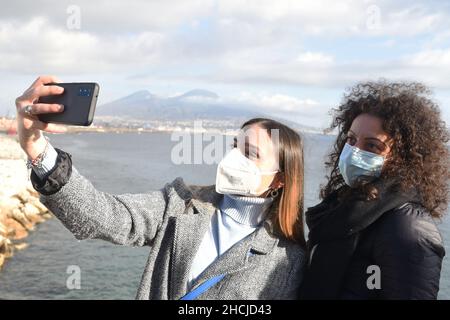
351 243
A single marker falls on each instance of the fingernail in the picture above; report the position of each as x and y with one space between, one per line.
61 107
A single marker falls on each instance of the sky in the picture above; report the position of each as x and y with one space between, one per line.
291 59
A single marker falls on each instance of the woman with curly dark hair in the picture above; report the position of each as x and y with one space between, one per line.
374 234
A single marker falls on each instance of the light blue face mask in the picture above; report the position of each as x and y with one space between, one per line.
357 166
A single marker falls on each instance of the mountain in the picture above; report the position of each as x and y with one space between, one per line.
198 93
194 104
191 105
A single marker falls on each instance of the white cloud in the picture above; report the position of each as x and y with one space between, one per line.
259 39
437 58
411 20
37 46
322 17
274 102
306 111
317 58
322 70
309 16
111 16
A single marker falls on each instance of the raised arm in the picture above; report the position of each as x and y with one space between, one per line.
128 219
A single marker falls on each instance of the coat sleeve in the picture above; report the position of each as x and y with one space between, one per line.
127 219
409 251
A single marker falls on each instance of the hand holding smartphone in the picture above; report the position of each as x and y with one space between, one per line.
79 100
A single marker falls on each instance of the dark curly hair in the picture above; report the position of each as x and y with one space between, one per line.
420 153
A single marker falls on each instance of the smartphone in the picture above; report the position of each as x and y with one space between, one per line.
79 100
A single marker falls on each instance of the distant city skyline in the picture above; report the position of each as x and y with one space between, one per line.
292 59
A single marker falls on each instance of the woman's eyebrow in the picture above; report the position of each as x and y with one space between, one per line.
247 144
373 138
367 138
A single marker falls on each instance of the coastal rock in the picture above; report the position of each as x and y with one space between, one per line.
20 208
32 213
9 204
6 247
23 196
3 229
21 246
6 250
16 231
32 192
19 216
35 202
10 148
29 209
47 215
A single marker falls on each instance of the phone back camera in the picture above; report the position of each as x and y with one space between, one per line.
84 92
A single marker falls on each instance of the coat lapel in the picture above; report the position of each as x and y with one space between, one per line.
247 252
189 232
190 228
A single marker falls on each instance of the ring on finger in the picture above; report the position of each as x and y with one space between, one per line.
27 109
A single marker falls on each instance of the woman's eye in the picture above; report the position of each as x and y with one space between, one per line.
252 155
351 141
374 147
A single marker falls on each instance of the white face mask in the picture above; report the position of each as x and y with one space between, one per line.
236 174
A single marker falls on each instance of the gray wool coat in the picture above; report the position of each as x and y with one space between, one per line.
172 222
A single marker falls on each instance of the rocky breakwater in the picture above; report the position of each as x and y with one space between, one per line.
20 208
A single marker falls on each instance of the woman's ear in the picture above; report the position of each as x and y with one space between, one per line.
278 181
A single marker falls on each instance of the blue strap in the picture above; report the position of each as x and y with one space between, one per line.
202 288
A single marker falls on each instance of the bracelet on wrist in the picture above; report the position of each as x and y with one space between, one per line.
37 162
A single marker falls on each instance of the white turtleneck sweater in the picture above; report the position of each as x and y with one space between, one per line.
236 218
